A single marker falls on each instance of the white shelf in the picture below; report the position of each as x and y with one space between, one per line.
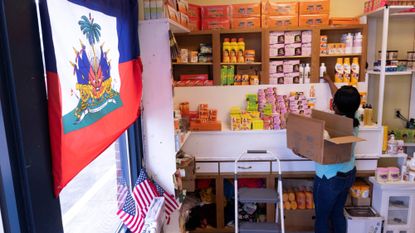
177 28
397 73
397 208
401 155
394 10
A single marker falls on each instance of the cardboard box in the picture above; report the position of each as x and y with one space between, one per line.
183 6
278 21
193 11
361 201
306 49
282 9
276 38
246 23
185 77
306 36
184 20
246 10
292 218
218 11
276 67
277 50
305 135
172 3
212 24
188 165
170 13
314 7
293 49
194 24
292 37
313 20
206 126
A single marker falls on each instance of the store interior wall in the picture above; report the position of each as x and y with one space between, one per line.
401 37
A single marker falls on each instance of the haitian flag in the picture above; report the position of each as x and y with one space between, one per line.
93 78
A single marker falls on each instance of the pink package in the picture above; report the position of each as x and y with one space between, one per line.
291 66
276 79
277 50
288 80
306 49
306 36
289 50
292 37
276 67
297 97
276 38
295 77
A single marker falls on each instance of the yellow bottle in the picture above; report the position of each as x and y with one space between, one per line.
241 50
354 79
347 71
226 49
338 77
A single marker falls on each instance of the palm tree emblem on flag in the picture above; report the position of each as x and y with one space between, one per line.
94 88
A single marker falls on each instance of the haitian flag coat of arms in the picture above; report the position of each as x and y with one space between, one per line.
93 78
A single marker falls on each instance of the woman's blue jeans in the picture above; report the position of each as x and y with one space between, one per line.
329 198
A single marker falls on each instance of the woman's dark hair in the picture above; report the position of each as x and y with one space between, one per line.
347 101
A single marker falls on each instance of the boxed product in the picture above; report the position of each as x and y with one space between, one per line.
172 3
288 79
278 21
170 13
194 24
292 37
276 79
293 49
295 77
314 7
205 126
184 20
157 7
276 67
211 24
183 6
276 50
185 77
306 36
276 38
291 66
305 136
246 10
192 83
282 8
239 23
313 20
218 11
193 11
147 9
306 49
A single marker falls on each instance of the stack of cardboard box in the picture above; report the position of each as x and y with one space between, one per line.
216 17
194 17
246 16
276 14
176 10
314 13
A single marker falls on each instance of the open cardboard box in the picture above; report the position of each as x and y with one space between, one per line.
306 136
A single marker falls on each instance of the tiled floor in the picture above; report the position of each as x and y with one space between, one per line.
88 203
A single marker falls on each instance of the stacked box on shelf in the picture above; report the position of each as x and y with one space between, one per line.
277 14
216 17
314 13
372 5
176 10
246 16
194 17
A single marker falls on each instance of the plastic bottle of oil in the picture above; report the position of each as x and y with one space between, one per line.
226 50
354 79
241 50
338 77
347 71
234 50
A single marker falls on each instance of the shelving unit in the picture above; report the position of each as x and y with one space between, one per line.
193 64
258 39
371 18
341 55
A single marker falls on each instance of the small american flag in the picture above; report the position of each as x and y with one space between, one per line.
170 202
131 216
144 191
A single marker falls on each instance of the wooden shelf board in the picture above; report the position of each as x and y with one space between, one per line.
193 64
243 64
342 55
177 28
289 57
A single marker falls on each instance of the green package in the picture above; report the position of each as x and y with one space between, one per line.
252 98
224 75
231 75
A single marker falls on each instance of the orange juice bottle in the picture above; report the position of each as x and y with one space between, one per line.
338 77
301 200
309 200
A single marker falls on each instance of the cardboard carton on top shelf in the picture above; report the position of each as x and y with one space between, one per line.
246 10
279 21
194 11
183 6
281 8
313 20
305 135
246 23
218 11
314 7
